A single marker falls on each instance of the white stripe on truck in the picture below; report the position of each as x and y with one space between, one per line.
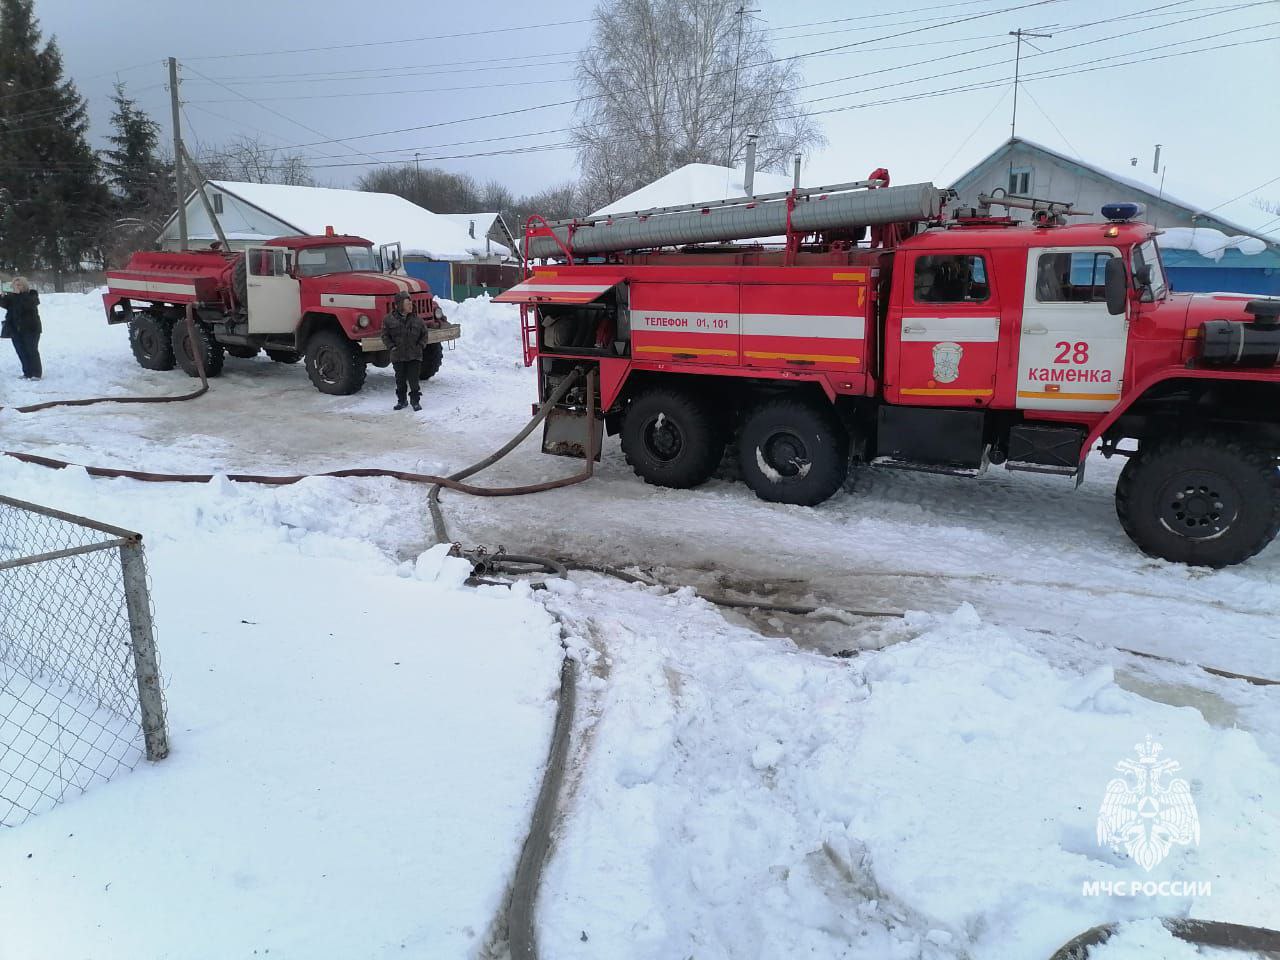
807 325
151 286
348 300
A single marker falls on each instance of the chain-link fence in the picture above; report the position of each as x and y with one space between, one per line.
80 696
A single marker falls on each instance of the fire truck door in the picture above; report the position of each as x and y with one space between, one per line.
1071 351
943 341
275 304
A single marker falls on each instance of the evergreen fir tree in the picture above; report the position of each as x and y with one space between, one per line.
53 202
132 166
141 181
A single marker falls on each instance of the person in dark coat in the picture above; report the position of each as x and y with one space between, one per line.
405 334
22 326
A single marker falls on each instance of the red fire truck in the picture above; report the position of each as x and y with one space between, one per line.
882 332
321 298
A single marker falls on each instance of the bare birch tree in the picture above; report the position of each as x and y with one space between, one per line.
248 160
669 82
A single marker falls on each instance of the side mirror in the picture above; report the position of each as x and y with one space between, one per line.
1116 284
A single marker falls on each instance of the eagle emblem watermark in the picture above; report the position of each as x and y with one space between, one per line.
946 361
1147 810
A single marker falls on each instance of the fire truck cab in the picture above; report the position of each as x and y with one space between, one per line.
944 345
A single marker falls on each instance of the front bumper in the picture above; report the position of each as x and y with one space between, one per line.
446 331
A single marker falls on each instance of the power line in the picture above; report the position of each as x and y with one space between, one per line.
284 116
384 43
1044 113
1243 195
393 93
974 132
564 103
1053 73
868 16
855 76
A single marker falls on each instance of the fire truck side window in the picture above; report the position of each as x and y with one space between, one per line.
1071 277
267 263
951 278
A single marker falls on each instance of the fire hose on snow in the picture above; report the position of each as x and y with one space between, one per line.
486 566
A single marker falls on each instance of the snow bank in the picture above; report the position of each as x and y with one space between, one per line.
935 800
490 332
357 742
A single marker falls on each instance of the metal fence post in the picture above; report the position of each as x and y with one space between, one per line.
154 729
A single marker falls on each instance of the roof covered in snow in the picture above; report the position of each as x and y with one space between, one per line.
695 183
379 217
1236 219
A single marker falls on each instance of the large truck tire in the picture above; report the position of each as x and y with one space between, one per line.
1204 501
671 438
284 356
151 340
240 280
211 351
335 364
432 357
793 451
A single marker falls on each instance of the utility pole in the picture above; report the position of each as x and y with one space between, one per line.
178 186
1017 72
417 177
741 13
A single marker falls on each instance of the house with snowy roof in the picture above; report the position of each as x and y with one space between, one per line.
1229 247
434 247
696 183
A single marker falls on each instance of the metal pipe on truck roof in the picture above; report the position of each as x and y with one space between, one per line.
796 181
911 202
749 178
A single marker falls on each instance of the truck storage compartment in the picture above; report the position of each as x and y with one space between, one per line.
1039 448
908 436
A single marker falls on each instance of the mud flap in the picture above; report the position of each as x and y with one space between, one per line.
564 433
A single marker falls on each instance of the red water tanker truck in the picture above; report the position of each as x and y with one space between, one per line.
318 298
883 331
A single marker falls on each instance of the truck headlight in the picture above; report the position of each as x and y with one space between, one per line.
437 312
362 321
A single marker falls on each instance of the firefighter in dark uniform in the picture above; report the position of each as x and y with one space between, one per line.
405 334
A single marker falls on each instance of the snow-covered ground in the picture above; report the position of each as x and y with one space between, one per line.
732 793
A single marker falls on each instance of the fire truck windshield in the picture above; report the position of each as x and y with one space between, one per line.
1146 255
315 261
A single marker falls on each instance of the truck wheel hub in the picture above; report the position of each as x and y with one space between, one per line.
662 438
1198 505
786 453
327 364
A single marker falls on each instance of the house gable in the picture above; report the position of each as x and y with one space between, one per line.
1054 176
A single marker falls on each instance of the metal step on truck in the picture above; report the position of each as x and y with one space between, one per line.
886 330
315 298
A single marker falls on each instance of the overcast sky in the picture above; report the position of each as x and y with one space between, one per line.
1215 112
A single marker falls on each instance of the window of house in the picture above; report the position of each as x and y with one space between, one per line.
1020 180
1072 277
217 203
953 278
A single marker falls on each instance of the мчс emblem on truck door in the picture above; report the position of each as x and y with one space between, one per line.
946 361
